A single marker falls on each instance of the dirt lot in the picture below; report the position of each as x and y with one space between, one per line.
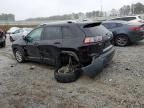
120 85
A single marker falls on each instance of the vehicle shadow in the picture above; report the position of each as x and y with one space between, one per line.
139 43
39 64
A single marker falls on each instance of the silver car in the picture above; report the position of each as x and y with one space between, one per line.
20 33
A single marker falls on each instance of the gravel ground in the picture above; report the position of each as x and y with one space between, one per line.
120 85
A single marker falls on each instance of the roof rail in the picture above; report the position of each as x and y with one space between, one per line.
42 24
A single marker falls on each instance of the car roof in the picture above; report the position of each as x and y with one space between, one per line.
64 23
121 22
126 17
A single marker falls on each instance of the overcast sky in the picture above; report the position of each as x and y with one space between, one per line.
43 8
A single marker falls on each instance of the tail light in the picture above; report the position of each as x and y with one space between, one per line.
136 28
89 40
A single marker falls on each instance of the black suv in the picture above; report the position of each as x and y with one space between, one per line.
2 38
72 47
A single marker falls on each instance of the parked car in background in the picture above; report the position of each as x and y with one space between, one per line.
71 47
125 32
12 30
134 19
2 38
19 33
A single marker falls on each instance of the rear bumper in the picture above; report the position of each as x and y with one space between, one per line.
99 63
136 37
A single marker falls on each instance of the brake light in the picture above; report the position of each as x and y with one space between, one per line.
89 40
135 28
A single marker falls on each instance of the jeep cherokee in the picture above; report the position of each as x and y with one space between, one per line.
72 47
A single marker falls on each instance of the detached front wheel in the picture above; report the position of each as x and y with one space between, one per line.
67 73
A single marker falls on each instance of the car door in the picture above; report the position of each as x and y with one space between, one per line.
32 44
51 44
112 27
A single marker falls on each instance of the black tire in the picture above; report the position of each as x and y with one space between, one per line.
121 40
66 77
19 55
3 44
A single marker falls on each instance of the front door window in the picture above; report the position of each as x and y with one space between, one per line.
35 35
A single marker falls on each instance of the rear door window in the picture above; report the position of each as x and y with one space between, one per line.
128 18
51 33
19 31
125 18
67 32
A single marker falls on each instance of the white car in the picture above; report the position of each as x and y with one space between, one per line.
134 19
20 33
12 30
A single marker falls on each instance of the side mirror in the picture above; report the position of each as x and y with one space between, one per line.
25 38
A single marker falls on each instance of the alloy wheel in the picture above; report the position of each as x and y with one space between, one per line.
121 41
18 56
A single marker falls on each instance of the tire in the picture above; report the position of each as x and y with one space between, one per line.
121 40
3 44
19 55
66 77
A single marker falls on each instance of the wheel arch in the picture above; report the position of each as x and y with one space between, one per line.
120 34
14 48
70 53
63 55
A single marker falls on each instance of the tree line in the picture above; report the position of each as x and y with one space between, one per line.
137 8
7 17
132 9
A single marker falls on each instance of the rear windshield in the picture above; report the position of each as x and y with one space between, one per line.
96 30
